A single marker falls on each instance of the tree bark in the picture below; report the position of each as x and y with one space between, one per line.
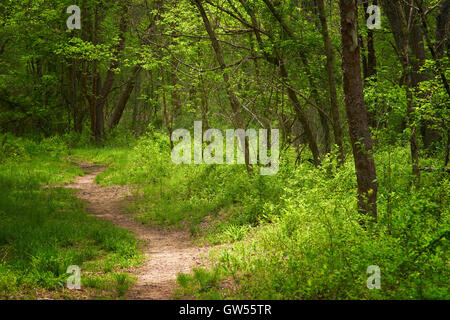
442 21
331 80
122 103
361 140
434 51
110 76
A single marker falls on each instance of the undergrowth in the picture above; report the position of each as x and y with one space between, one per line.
297 234
43 231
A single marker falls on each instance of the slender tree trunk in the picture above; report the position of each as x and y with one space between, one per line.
204 104
234 101
298 109
122 103
447 152
301 115
90 78
356 110
110 76
442 22
167 118
371 54
312 82
97 110
401 27
175 95
435 54
78 114
431 135
331 81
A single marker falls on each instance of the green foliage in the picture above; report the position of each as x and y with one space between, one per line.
296 235
43 231
316 248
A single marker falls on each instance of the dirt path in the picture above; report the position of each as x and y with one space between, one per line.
167 253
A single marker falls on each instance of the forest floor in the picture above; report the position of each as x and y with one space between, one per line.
167 252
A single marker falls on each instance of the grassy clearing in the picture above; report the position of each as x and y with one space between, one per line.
43 231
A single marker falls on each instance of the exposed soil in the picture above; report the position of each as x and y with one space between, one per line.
167 253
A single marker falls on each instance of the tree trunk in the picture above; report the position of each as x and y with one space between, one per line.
369 62
401 27
234 101
312 82
356 110
442 21
331 80
300 113
371 54
122 103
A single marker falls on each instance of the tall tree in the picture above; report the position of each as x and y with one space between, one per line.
361 140
234 100
401 21
306 67
276 59
122 102
96 90
331 79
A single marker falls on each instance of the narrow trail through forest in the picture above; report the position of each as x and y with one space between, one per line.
167 253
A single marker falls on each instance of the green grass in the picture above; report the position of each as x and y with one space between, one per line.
295 235
164 194
115 159
168 195
311 245
43 231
